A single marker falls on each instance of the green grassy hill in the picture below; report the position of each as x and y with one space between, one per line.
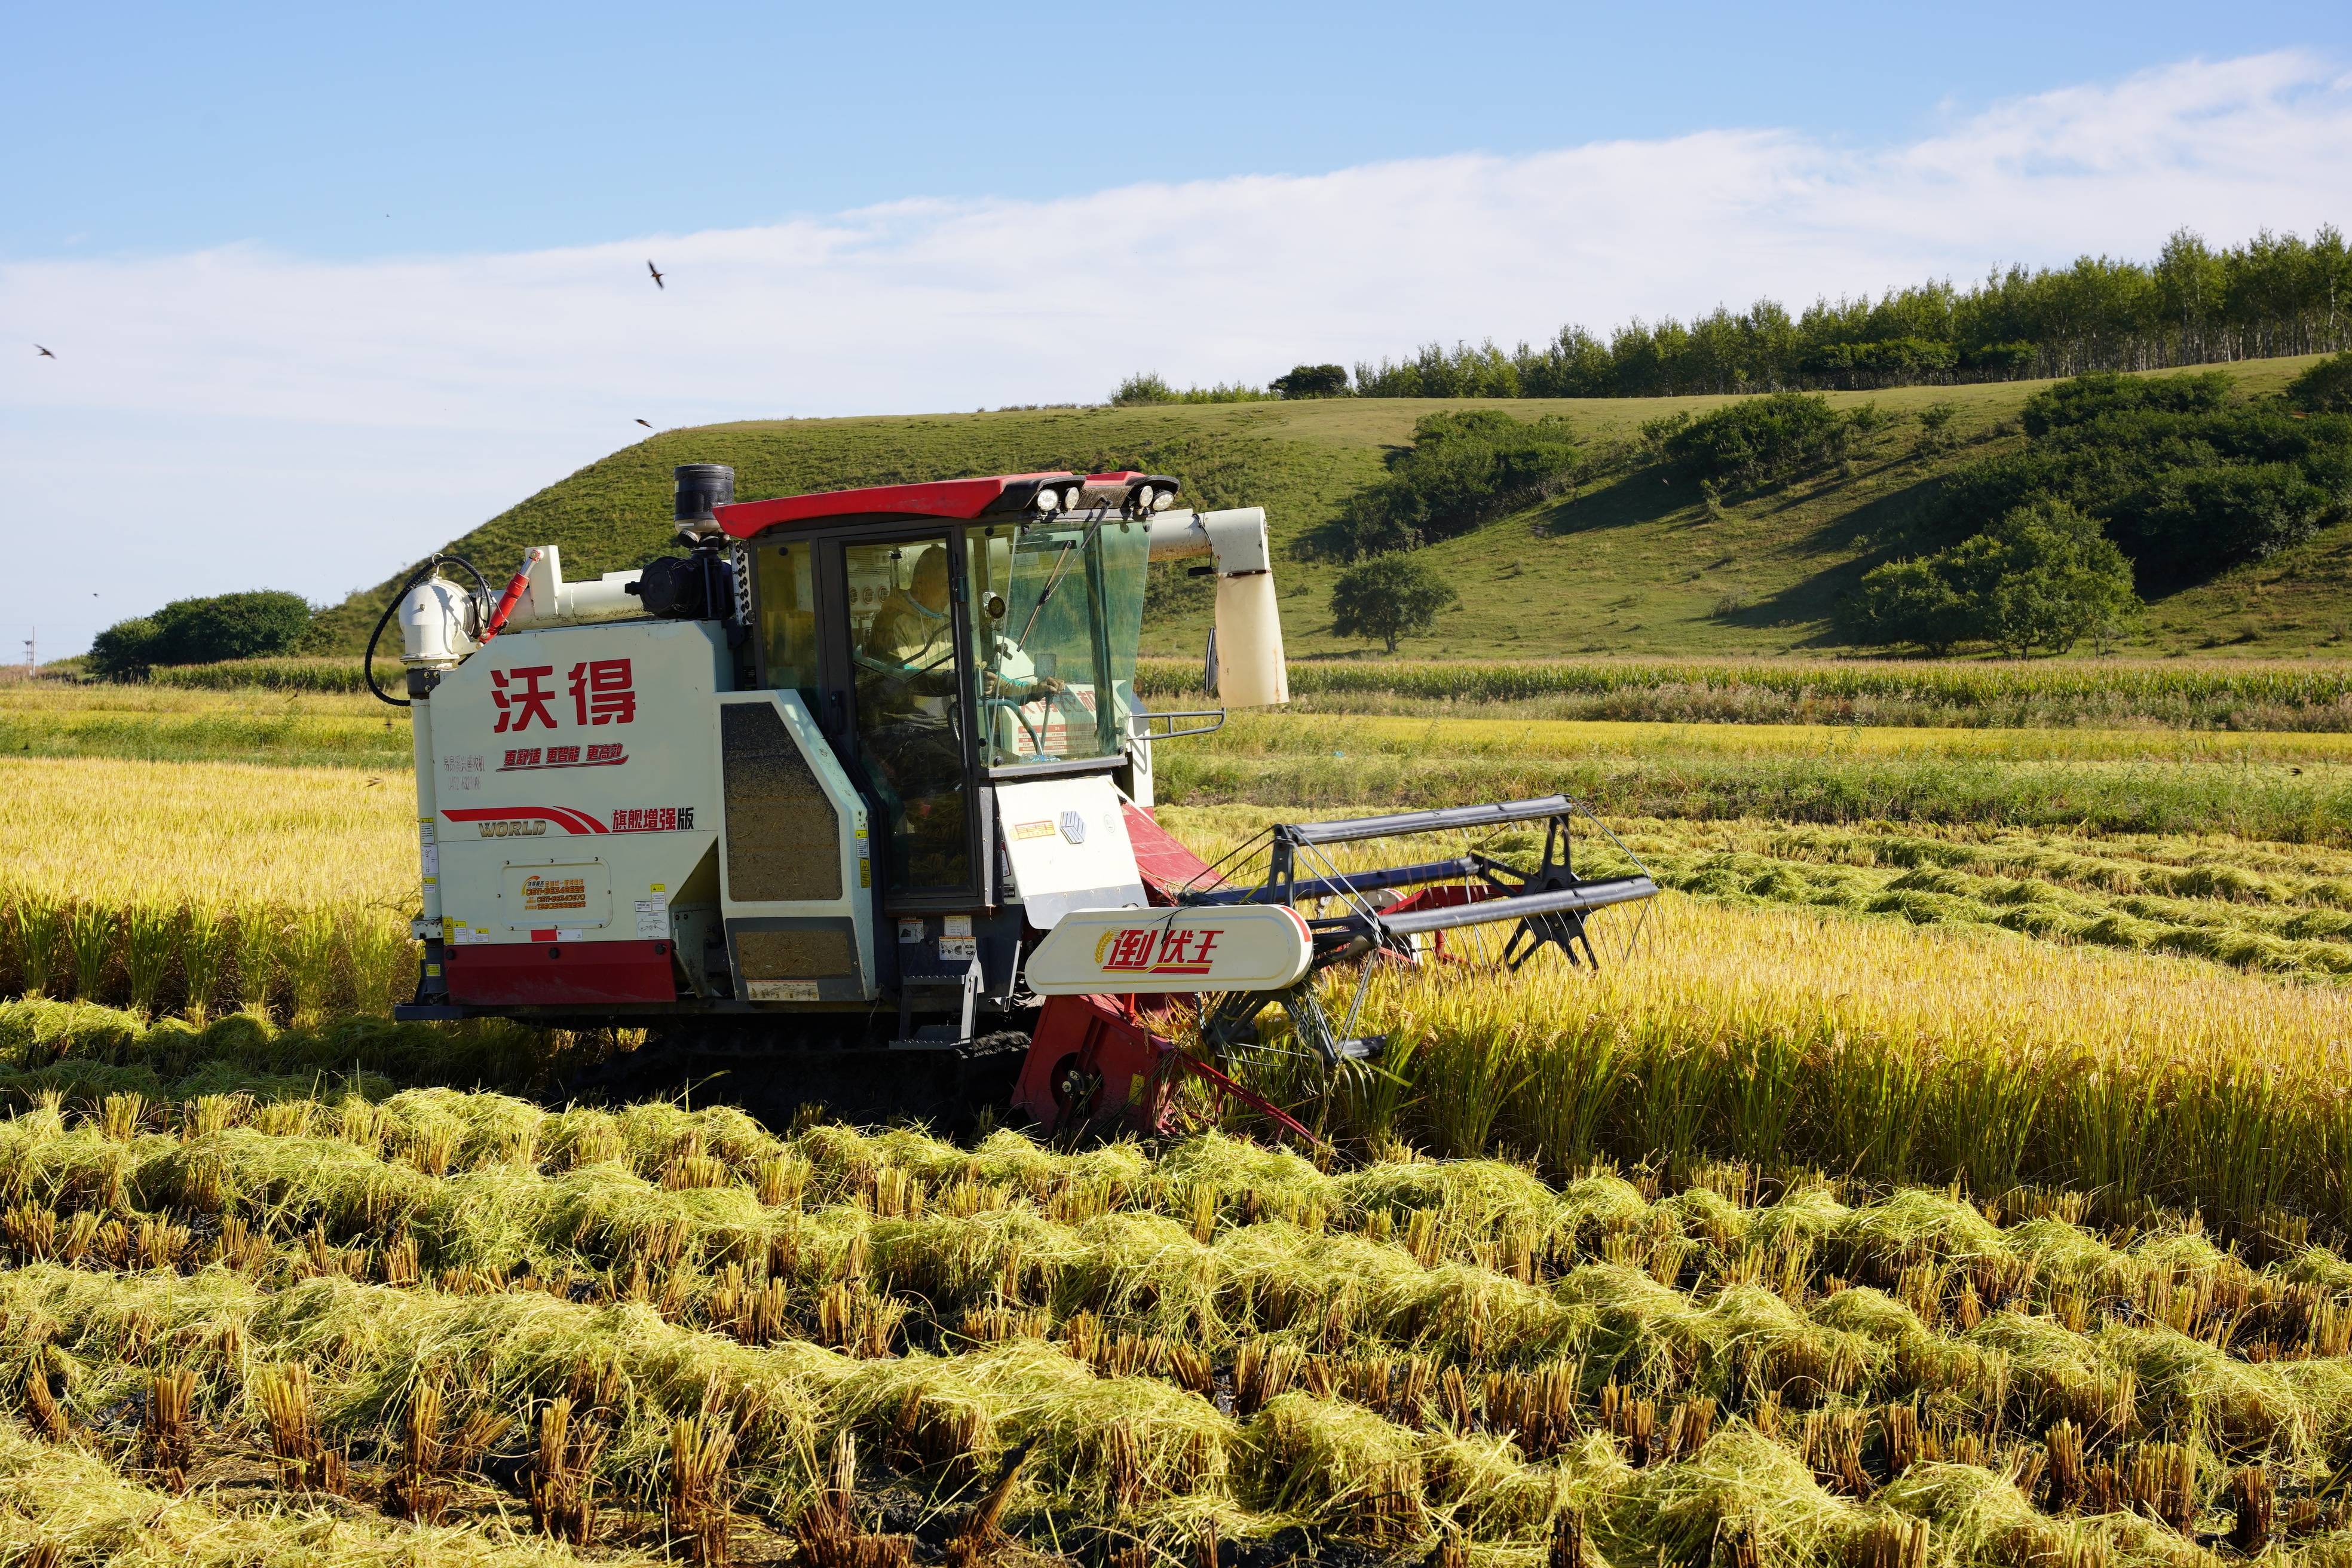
1636 564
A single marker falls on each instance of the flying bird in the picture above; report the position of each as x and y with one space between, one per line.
647 423
658 276
44 354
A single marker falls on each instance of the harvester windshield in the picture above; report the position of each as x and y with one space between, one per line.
1058 611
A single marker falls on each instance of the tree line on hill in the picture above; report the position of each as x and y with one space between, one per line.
2123 483
2274 295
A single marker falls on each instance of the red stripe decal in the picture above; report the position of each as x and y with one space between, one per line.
566 817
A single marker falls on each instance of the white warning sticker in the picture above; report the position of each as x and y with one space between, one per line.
653 919
955 938
782 990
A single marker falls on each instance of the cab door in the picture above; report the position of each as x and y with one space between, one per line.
898 707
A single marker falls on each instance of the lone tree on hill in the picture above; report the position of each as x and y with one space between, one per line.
1387 597
1311 381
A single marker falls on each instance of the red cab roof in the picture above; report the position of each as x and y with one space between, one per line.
941 497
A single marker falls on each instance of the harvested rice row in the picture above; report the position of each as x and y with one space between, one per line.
608 1183
1124 1452
86 1052
2291 941
661 1185
67 1505
2247 1359
2189 866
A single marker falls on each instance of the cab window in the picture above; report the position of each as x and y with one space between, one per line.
1058 610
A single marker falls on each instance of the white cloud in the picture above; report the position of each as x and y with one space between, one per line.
238 415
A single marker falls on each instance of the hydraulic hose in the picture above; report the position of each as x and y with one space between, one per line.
367 660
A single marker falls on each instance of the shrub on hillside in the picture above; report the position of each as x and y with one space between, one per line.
2044 576
2104 395
2229 512
1913 600
1760 440
1145 388
1464 467
2188 481
2325 388
1148 389
1389 598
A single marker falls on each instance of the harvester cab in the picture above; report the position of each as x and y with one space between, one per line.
853 799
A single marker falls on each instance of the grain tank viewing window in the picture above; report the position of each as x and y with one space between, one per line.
1057 612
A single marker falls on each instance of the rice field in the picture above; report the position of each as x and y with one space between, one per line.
201 886
458 1326
2276 786
165 723
2192 986
1953 1167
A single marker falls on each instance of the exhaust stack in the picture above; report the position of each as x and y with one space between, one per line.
700 488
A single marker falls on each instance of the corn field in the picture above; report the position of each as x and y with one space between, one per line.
2229 694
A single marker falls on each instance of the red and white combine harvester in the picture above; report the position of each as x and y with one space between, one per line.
852 800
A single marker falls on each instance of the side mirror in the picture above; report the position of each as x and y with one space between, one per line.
1209 664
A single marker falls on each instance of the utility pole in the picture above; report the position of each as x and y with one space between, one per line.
31 651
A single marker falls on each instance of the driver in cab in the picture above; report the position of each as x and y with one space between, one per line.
913 631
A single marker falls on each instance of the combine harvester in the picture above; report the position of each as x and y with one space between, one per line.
853 801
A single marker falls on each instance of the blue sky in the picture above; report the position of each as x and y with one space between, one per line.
329 286
350 131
